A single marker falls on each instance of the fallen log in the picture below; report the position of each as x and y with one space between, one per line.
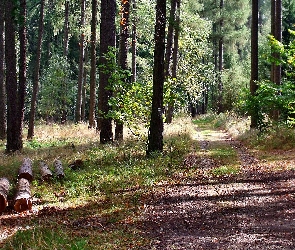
22 201
25 170
46 173
4 188
59 171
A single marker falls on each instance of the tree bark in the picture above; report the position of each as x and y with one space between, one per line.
23 200
81 64
66 30
14 132
155 137
46 173
220 59
36 73
92 94
134 39
107 39
59 171
25 170
123 51
2 82
4 188
254 60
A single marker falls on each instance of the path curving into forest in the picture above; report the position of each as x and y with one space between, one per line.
254 209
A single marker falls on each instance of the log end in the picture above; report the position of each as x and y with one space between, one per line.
22 205
27 176
3 203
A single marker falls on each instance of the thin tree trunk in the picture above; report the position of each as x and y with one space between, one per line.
2 82
220 59
107 39
93 66
170 110
155 137
134 38
83 105
81 64
22 66
36 73
123 50
254 60
66 30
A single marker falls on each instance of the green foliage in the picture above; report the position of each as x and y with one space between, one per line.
225 171
57 89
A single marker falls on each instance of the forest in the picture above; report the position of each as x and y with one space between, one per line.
147 124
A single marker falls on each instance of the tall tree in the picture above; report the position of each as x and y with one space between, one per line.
93 65
107 40
66 30
254 59
36 76
2 82
155 137
81 63
14 105
123 51
220 57
134 34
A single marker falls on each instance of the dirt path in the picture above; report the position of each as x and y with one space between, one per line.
252 210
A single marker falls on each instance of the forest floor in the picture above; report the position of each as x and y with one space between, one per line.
252 208
207 191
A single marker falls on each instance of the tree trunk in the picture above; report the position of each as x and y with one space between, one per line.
123 51
59 171
4 188
2 82
134 38
220 59
254 60
92 97
22 67
46 173
25 170
14 132
81 64
170 110
36 73
23 200
107 39
155 137
66 30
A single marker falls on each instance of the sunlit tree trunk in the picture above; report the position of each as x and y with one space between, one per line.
36 73
220 59
2 82
134 39
155 137
93 66
254 60
123 51
81 64
107 39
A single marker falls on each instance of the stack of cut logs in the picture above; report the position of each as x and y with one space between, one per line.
23 199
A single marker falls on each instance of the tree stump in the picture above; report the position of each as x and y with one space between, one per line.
4 188
25 170
59 171
22 201
46 174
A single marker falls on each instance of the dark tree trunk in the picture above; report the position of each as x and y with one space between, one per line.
254 60
134 38
36 73
2 82
155 137
278 36
93 66
14 133
83 105
81 64
22 67
123 51
107 39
